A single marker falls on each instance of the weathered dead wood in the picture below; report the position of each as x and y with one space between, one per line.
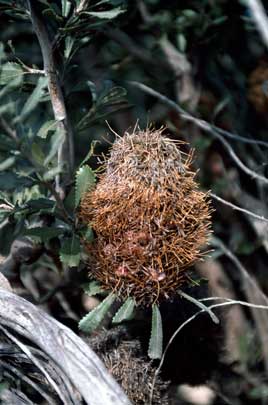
68 351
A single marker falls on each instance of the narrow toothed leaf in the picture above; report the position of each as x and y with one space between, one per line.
92 320
125 312
199 304
70 251
156 341
92 288
85 180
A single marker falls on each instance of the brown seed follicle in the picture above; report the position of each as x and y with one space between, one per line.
150 218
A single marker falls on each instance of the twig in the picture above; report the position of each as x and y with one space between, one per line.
185 115
66 150
140 53
260 18
59 201
35 361
9 131
235 207
253 293
239 137
239 265
201 124
222 304
27 380
199 304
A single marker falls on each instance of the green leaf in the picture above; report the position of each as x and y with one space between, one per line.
199 304
37 154
189 13
45 233
7 163
156 340
69 201
88 234
52 173
182 42
33 100
41 204
10 181
70 251
111 95
92 288
69 45
92 320
65 7
125 312
108 15
85 180
9 72
46 127
55 143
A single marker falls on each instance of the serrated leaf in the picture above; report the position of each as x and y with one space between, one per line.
41 203
85 180
9 72
37 154
92 288
125 312
70 251
88 234
55 143
156 340
108 15
7 163
52 173
200 304
65 7
33 100
92 320
69 44
46 127
110 96
45 233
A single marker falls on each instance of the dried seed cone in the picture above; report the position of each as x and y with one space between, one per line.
149 217
257 91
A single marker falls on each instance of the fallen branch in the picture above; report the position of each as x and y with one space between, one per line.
69 353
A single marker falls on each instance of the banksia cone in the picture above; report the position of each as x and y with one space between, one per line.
258 91
149 217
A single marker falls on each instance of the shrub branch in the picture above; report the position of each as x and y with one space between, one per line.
66 150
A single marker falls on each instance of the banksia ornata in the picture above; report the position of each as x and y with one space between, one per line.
149 217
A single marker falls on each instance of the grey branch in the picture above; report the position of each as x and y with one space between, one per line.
260 18
66 150
235 207
70 353
201 124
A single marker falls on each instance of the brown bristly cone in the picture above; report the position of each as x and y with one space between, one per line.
149 217
257 94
